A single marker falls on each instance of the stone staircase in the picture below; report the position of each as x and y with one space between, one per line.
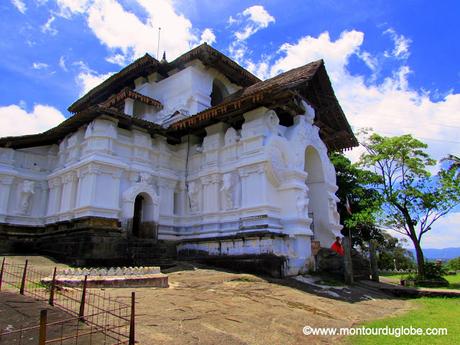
147 252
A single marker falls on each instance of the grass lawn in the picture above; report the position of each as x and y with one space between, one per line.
434 312
454 281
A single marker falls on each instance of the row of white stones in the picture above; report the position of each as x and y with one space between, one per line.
112 271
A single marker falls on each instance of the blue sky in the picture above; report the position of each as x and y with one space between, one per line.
394 64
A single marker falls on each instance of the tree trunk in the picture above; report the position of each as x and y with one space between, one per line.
420 258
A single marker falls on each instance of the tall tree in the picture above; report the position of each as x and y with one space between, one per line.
357 195
413 199
393 255
454 163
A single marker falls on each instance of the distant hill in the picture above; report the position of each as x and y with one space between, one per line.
440 254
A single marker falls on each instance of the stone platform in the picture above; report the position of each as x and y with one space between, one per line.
119 277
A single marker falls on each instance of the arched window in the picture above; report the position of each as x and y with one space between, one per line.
219 92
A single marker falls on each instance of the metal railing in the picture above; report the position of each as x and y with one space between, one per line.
92 314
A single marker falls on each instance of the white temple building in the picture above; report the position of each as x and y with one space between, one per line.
197 154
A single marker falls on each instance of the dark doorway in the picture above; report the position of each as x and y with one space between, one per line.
137 218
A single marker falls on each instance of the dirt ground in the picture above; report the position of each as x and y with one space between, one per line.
18 311
209 306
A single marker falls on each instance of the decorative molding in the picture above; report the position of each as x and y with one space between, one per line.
6 180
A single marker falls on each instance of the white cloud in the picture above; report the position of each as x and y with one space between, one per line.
251 20
20 5
256 18
16 121
402 44
89 79
308 49
259 15
47 28
444 233
69 7
390 107
208 36
62 64
125 33
39 65
117 59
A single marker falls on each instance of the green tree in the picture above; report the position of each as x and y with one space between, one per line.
391 253
454 264
413 199
454 163
355 185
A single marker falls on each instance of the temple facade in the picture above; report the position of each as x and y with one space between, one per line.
197 152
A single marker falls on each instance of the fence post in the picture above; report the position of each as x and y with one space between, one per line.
1 273
23 281
42 332
83 299
53 283
131 323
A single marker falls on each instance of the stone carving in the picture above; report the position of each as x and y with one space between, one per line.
28 189
334 214
272 121
143 177
231 191
309 112
194 197
231 136
302 206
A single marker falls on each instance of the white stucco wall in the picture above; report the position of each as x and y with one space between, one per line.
234 181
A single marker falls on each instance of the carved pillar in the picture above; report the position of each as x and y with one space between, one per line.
211 193
212 143
254 185
43 195
180 200
69 191
54 199
167 188
5 187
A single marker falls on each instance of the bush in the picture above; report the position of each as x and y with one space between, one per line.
434 270
454 264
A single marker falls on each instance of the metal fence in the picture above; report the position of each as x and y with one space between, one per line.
94 317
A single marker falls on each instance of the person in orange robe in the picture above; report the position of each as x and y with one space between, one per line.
337 246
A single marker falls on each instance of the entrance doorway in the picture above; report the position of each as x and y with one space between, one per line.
137 218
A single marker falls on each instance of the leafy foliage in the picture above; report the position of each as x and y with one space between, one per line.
391 253
413 198
454 264
433 270
454 164
365 202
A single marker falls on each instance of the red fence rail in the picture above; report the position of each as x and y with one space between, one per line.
92 313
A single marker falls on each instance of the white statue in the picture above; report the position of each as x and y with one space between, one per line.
143 177
231 190
28 189
272 121
227 189
193 194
